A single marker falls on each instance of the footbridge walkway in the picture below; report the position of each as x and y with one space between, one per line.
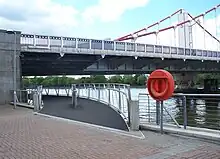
117 106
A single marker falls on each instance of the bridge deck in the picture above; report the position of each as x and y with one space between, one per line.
87 111
24 135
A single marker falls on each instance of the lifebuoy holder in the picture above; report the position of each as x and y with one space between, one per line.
160 85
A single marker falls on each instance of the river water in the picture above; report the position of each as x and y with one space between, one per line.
201 112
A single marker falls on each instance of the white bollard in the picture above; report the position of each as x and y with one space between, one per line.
36 102
74 98
134 116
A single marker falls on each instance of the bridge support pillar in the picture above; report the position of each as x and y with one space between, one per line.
9 46
184 80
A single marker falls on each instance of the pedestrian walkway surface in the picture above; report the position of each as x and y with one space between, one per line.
87 110
25 135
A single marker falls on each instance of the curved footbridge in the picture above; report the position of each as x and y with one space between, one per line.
100 104
87 110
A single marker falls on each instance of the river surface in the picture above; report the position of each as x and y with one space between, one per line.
201 112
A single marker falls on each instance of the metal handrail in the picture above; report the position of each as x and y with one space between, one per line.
109 100
201 113
148 99
115 87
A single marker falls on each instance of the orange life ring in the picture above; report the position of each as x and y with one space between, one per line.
158 94
167 85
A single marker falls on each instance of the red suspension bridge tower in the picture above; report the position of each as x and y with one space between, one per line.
181 29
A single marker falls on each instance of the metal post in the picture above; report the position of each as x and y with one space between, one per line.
161 117
119 100
15 67
74 96
157 112
99 89
184 29
184 112
148 103
36 101
88 92
39 91
109 96
129 105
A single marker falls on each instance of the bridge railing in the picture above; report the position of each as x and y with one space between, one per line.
117 96
112 94
68 44
194 110
26 97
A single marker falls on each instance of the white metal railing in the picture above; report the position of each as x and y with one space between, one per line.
117 96
27 97
71 44
196 110
114 97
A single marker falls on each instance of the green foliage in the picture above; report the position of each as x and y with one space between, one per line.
137 80
200 77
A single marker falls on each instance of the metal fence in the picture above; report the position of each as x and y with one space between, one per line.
23 96
196 110
114 95
117 96
28 98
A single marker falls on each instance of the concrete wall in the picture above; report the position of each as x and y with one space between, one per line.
7 45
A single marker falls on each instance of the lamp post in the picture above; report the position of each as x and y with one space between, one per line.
14 67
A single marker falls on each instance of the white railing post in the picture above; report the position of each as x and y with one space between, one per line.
119 100
103 45
48 41
88 92
99 89
129 105
34 42
90 44
109 95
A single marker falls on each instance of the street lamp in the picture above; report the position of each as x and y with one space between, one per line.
15 65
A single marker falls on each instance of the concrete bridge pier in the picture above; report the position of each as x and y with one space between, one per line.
184 80
9 46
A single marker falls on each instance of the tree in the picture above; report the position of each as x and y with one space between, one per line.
115 79
129 79
98 79
141 79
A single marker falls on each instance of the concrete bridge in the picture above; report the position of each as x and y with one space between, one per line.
62 55
37 55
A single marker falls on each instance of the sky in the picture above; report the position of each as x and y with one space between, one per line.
91 18
101 19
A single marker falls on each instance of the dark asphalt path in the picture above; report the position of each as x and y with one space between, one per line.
87 111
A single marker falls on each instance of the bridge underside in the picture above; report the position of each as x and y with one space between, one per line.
40 64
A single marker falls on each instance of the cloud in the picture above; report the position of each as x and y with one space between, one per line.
110 10
54 18
37 16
